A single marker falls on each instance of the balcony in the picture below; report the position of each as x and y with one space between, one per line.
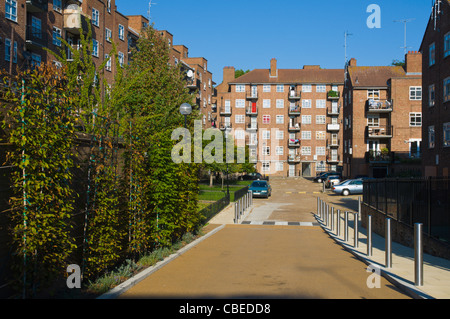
293 159
295 111
35 38
37 5
193 84
251 96
225 126
381 131
333 95
214 108
293 143
333 143
251 110
333 159
225 111
379 157
379 106
75 22
294 94
333 127
333 110
294 127
251 126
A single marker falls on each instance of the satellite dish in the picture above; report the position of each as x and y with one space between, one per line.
190 73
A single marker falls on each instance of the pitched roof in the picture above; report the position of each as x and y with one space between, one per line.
373 76
293 76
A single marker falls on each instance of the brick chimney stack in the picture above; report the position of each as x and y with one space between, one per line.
413 63
273 68
352 62
228 74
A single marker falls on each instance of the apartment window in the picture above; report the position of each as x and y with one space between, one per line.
320 150
306 150
415 93
415 119
431 136
373 94
279 166
279 150
94 47
306 88
35 60
266 135
373 121
266 150
95 17
239 119
432 53
306 119
11 10
447 89
306 104
306 135
279 135
320 166
280 88
266 119
239 134
121 59
320 119
266 88
121 32
8 50
446 132
108 63
320 135
280 119
240 88
321 104
36 29
240 104
280 104
266 104
431 95
266 166
108 34
321 88
108 6
447 45
56 36
57 5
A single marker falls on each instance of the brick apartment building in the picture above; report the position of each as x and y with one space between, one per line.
383 118
435 48
290 118
28 27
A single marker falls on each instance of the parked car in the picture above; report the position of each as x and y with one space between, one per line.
252 177
260 189
350 186
332 180
323 176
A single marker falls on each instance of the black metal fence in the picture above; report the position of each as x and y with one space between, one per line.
411 201
240 193
213 209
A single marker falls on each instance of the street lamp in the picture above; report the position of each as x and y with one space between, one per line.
185 109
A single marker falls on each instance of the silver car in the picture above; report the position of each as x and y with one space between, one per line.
350 186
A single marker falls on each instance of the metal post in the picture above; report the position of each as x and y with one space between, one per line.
388 243
338 223
346 226
418 254
332 218
318 206
327 213
369 235
235 212
356 231
359 207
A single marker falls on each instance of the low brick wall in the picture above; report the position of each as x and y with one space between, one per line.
402 233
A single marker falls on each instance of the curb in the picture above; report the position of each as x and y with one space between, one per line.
123 287
397 281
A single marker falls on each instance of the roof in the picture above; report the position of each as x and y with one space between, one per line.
373 76
293 76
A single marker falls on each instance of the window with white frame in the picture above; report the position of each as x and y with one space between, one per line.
320 150
306 88
432 54
240 103
279 150
373 94
279 135
320 166
108 6
321 104
121 32
446 134
57 5
279 166
266 166
239 134
306 119
8 44
11 10
266 135
306 150
431 136
95 17
447 89
266 88
108 34
240 88
56 36
321 119
306 104
266 119
239 119
108 63
373 121
415 93
431 95
266 150
306 135
280 119
121 57
94 47
280 103
415 119
266 103
320 135
321 88
280 88
447 45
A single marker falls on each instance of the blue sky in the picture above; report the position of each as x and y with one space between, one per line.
246 34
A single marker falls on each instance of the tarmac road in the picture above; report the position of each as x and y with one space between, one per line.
259 261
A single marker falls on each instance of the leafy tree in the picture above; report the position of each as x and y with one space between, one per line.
240 72
398 63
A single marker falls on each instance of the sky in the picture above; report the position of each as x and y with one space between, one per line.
246 34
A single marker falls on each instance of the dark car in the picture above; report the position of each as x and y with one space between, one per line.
252 177
260 189
323 176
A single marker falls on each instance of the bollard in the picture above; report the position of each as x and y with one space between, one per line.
332 219
318 206
356 231
235 212
359 207
369 235
326 214
418 255
338 223
346 226
388 243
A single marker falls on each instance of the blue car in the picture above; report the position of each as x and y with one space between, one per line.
261 189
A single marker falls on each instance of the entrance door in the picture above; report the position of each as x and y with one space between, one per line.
306 169
254 91
291 170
